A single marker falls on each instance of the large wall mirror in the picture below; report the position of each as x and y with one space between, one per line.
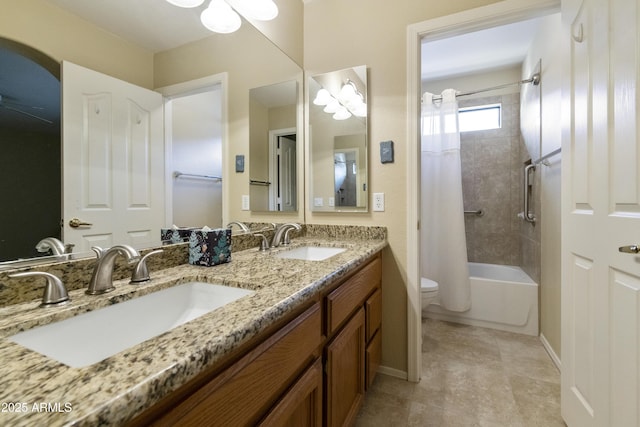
247 45
338 141
273 150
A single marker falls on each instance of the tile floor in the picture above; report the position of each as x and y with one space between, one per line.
470 377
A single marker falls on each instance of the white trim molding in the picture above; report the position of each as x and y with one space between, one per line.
552 354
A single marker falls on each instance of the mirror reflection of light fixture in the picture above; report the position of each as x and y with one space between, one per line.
332 106
220 17
342 114
349 102
323 97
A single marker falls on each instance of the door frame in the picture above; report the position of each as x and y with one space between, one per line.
501 13
193 87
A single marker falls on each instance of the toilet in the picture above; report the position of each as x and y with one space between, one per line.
428 292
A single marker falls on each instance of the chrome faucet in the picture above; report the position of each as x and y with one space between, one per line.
53 244
102 279
55 292
281 235
241 225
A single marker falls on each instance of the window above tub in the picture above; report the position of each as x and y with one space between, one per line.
480 117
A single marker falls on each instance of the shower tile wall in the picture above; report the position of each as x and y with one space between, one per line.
492 173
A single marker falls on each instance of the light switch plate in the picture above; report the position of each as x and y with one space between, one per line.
378 202
386 152
317 202
245 202
332 201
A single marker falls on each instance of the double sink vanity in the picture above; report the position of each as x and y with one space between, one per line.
289 336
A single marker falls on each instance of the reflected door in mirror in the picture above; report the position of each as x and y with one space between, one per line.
113 151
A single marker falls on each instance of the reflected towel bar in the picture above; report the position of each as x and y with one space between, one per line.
193 175
255 182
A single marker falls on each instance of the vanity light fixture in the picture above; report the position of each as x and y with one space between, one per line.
348 102
220 16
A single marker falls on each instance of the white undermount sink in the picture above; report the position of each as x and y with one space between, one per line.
310 253
91 337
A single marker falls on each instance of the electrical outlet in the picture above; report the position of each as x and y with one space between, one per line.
317 202
245 202
378 202
332 201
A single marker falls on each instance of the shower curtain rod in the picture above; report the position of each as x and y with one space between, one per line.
535 79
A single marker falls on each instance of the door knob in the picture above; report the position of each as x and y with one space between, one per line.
631 249
75 223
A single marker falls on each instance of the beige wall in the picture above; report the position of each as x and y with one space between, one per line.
286 29
64 36
545 47
340 34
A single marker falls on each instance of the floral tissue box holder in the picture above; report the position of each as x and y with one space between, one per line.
175 235
210 247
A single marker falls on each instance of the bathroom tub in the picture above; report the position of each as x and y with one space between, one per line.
503 297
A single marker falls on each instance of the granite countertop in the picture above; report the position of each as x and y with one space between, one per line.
36 390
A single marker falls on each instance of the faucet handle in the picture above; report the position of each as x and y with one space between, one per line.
141 271
264 244
98 251
55 292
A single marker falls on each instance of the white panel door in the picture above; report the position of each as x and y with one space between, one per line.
601 212
287 170
113 157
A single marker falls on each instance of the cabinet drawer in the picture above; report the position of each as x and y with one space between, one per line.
347 297
244 392
373 354
373 312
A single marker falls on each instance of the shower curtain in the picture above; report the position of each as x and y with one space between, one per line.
442 233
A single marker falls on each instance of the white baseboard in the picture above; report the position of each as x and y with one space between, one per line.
552 354
392 372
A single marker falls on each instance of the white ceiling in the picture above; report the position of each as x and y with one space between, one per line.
492 48
153 24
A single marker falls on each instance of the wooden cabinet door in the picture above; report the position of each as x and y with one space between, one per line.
301 406
345 372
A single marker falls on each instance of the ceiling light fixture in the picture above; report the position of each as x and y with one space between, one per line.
221 17
186 3
348 102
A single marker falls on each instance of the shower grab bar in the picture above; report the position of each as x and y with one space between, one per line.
528 216
479 212
544 159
